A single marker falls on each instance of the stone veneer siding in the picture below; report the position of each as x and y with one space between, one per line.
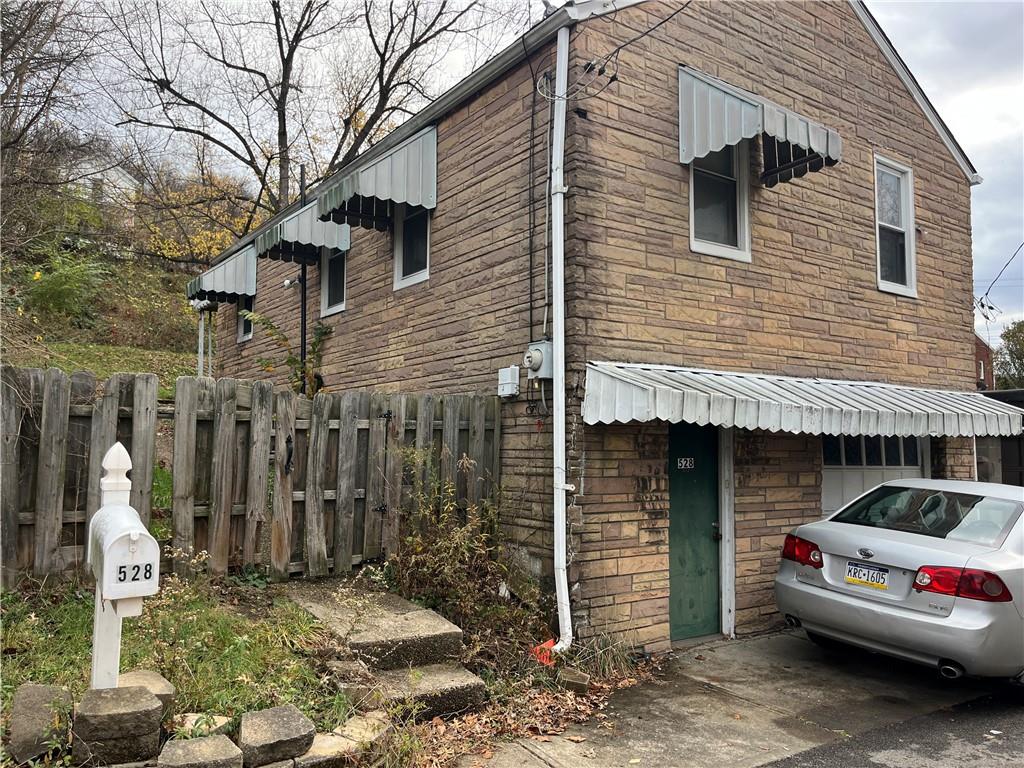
807 304
619 537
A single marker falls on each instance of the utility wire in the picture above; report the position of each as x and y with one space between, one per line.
575 90
1019 247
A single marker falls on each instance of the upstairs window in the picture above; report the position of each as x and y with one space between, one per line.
412 245
894 225
244 323
718 204
332 282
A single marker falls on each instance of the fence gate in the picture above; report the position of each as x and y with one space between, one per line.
258 476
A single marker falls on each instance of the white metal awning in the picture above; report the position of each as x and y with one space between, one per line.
714 115
228 280
625 392
362 193
301 236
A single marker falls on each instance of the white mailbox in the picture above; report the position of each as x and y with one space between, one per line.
124 557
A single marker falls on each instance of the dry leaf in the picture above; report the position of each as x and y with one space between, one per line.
576 739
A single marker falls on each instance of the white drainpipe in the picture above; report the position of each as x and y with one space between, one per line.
558 342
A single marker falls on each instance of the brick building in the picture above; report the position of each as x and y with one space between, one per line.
983 364
767 290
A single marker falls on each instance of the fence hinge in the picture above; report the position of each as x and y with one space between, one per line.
381 510
386 415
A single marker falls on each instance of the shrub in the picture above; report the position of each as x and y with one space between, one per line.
452 560
66 286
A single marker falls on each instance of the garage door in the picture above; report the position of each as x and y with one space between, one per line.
853 464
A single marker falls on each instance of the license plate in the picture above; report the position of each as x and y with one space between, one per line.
867 575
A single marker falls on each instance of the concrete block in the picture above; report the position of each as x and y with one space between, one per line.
274 734
383 629
216 751
433 690
39 719
365 730
573 680
152 681
196 724
329 750
115 713
109 750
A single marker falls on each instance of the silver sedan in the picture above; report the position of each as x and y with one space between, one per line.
931 571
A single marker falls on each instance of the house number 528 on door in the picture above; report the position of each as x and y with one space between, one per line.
684 462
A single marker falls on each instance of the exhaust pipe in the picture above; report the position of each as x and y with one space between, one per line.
792 621
950 670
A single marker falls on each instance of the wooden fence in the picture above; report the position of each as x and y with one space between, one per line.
259 476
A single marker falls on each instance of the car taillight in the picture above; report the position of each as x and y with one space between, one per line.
801 551
971 583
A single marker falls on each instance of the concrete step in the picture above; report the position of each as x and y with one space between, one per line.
384 630
433 690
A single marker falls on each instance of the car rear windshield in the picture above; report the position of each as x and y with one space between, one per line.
943 514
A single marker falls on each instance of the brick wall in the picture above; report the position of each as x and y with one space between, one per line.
953 458
808 303
619 546
778 487
983 364
452 332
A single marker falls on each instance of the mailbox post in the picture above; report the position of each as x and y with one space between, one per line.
125 559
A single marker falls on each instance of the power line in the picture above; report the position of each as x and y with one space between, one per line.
1019 247
575 90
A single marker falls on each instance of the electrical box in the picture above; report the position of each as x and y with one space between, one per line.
508 381
124 557
538 360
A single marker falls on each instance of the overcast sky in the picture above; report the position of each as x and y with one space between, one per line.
969 58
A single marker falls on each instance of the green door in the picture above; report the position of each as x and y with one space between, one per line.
693 535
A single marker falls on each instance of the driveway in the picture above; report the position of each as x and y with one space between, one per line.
751 702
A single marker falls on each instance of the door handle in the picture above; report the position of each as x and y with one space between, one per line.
716 532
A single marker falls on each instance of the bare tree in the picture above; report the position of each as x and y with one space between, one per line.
265 87
46 48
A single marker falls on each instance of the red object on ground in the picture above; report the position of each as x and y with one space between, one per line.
542 652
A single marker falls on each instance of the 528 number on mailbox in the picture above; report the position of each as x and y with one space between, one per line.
134 572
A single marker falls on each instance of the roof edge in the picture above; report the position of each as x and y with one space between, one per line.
882 40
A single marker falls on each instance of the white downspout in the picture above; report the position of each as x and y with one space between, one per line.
202 338
558 340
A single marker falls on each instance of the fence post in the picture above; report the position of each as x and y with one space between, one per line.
316 457
53 446
284 450
10 422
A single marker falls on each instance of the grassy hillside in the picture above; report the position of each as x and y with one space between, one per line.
99 316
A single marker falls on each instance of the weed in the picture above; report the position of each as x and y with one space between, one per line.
250 576
218 660
452 560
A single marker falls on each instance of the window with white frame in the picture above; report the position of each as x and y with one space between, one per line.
412 245
332 282
894 226
244 323
719 202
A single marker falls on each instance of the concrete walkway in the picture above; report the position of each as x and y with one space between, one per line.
744 703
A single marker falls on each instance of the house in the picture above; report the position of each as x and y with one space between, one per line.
751 268
1001 459
983 364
